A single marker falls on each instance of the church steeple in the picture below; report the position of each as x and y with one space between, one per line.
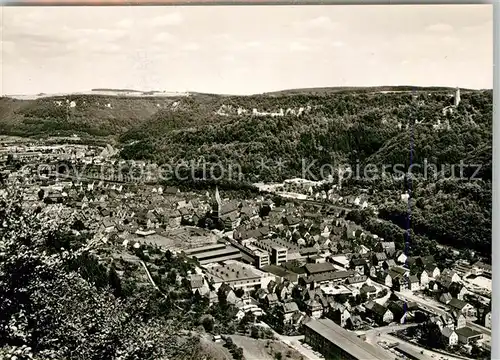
218 201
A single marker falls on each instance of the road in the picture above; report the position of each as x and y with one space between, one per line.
438 309
385 329
427 353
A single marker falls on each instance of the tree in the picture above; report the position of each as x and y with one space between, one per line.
208 322
432 337
54 312
238 353
41 194
115 281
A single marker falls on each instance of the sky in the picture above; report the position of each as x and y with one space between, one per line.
244 49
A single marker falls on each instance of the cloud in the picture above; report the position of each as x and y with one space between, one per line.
125 23
163 37
321 22
296 46
228 58
242 46
252 44
172 19
441 28
191 46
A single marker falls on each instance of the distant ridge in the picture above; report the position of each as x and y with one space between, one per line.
116 90
398 88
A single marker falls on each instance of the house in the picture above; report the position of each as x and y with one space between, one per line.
398 271
388 247
414 283
450 336
480 268
354 322
424 278
461 306
316 269
487 320
466 335
445 320
368 290
359 265
261 294
289 308
284 290
270 300
401 257
424 261
389 263
432 271
339 314
402 311
448 275
379 258
445 298
433 286
379 313
401 283
459 320
292 221
196 282
314 308
388 281
458 290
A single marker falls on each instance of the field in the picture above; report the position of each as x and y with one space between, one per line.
260 349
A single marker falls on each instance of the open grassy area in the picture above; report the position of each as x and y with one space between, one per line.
260 349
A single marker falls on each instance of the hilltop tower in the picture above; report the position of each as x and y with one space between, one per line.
457 96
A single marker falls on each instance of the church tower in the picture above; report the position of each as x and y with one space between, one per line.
217 206
457 96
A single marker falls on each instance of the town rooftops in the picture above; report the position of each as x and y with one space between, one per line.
308 251
278 244
467 332
313 269
280 271
457 304
290 307
376 308
228 208
232 272
481 265
211 247
225 253
346 340
292 220
329 276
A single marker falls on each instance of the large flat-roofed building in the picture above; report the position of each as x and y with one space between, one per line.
236 275
252 254
214 253
335 342
277 248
